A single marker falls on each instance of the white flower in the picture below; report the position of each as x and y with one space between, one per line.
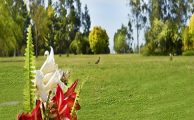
48 77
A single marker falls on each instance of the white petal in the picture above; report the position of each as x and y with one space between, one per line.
49 65
47 77
52 83
43 95
39 77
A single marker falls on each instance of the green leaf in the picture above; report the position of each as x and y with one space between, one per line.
29 89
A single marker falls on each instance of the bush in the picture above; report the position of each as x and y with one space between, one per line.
73 47
98 40
188 53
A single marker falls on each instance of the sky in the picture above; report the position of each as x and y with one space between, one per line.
109 14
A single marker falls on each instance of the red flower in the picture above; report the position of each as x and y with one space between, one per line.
59 108
63 103
35 114
70 95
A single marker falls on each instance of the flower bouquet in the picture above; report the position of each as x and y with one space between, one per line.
44 96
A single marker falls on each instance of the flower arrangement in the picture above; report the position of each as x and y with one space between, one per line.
44 98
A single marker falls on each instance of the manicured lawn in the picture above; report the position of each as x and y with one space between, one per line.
121 87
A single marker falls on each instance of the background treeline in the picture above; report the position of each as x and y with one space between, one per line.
63 24
166 25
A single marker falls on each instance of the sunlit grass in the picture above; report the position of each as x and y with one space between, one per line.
120 87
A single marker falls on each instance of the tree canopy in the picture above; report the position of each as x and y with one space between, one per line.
121 42
99 40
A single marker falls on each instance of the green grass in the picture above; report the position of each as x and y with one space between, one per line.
121 87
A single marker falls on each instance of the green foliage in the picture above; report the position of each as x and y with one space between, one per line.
138 16
86 20
98 40
85 45
51 25
188 37
162 38
173 14
155 36
68 23
10 32
188 53
41 21
55 24
120 40
187 41
191 25
73 47
21 17
13 22
77 44
178 11
29 90
61 37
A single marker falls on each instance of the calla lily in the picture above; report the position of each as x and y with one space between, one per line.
48 77
49 65
34 115
61 106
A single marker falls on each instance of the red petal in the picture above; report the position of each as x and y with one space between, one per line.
64 102
71 89
73 95
35 115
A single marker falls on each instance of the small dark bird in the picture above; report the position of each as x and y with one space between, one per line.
98 60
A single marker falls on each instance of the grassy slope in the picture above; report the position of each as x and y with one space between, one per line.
121 87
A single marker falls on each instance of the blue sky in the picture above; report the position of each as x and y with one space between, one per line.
109 14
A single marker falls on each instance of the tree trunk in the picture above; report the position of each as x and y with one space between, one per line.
138 47
67 53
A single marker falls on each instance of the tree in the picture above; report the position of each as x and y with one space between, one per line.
78 14
139 13
85 45
98 40
10 30
40 24
20 16
191 25
120 40
156 37
188 35
14 21
68 24
76 44
86 21
51 25
187 41
162 39
62 39
174 15
86 24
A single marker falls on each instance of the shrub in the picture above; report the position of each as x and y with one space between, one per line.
98 40
188 53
